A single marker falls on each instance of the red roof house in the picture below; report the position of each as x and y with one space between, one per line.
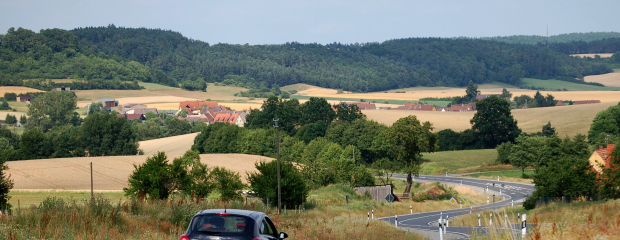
586 102
194 106
131 117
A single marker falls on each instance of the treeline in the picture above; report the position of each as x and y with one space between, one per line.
353 67
163 125
560 38
607 45
56 54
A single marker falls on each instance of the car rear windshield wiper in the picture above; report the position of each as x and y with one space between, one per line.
210 232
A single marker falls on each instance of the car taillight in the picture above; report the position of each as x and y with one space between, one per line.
223 214
256 239
184 237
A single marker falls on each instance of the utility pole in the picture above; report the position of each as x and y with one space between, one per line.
92 196
278 159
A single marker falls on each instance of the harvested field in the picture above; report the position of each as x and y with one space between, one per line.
568 120
96 94
4 113
154 86
198 95
609 80
154 99
592 55
110 173
241 106
17 90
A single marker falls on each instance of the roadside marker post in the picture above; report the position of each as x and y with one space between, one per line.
440 230
444 226
373 214
491 220
368 216
461 203
479 221
410 209
518 216
461 182
396 220
512 203
447 221
446 174
498 178
500 192
493 198
487 200
506 219
523 226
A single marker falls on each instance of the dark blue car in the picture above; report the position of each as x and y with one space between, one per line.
223 224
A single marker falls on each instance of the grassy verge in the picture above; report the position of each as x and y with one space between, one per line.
509 176
34 198
580 220
552 85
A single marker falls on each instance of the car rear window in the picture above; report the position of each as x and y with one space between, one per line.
225 225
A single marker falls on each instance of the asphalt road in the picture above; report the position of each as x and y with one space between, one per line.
427 221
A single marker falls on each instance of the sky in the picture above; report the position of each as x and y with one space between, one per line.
320 21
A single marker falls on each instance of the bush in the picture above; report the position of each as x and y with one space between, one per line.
265 184
227 182
10 96
151 178
530 203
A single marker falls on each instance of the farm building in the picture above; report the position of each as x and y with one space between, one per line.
24 98
61 89
483 96
142 110
560 103
106 103
363 105
586 102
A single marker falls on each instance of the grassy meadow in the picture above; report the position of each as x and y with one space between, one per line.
458 161
508 176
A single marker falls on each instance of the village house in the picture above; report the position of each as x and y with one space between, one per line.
601 158
560 103
194 107
142 110
363 105
126 107
131 117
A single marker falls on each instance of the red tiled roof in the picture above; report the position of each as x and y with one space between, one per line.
132 116
461 108
364 105
610 148
196 105
560 103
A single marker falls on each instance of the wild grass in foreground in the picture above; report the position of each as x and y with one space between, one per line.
580 220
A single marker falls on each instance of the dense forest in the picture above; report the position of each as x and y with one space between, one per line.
354 67
56 54
560 38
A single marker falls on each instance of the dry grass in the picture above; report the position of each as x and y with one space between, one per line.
568 120
609 79
592 55
16 114
16 90
582 220
96 94
297 86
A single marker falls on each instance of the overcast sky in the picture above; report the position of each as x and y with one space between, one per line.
275 22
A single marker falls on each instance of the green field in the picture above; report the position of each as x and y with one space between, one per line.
390 101
460 161
154 86
553 84
509 173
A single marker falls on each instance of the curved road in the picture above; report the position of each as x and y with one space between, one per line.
427 221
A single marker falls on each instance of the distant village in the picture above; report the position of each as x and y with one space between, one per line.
211 112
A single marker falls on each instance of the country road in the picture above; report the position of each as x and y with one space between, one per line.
426 222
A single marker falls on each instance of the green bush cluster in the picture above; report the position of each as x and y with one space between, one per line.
158 179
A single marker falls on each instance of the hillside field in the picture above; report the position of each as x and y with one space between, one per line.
553 84
568 120
609 79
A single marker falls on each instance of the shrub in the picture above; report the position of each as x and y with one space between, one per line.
227 182
151 178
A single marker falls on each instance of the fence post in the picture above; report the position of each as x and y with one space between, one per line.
440 230
523 226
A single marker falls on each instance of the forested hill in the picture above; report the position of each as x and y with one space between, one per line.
354 67
56 54
561 38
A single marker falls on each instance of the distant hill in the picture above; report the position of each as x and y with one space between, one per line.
561 38
365 67
56 54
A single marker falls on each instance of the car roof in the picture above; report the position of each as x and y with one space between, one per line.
252 214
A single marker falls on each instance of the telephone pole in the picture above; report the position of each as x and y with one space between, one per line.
278 159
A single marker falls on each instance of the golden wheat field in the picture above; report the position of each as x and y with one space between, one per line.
609 79
17 90
568 120
111 172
